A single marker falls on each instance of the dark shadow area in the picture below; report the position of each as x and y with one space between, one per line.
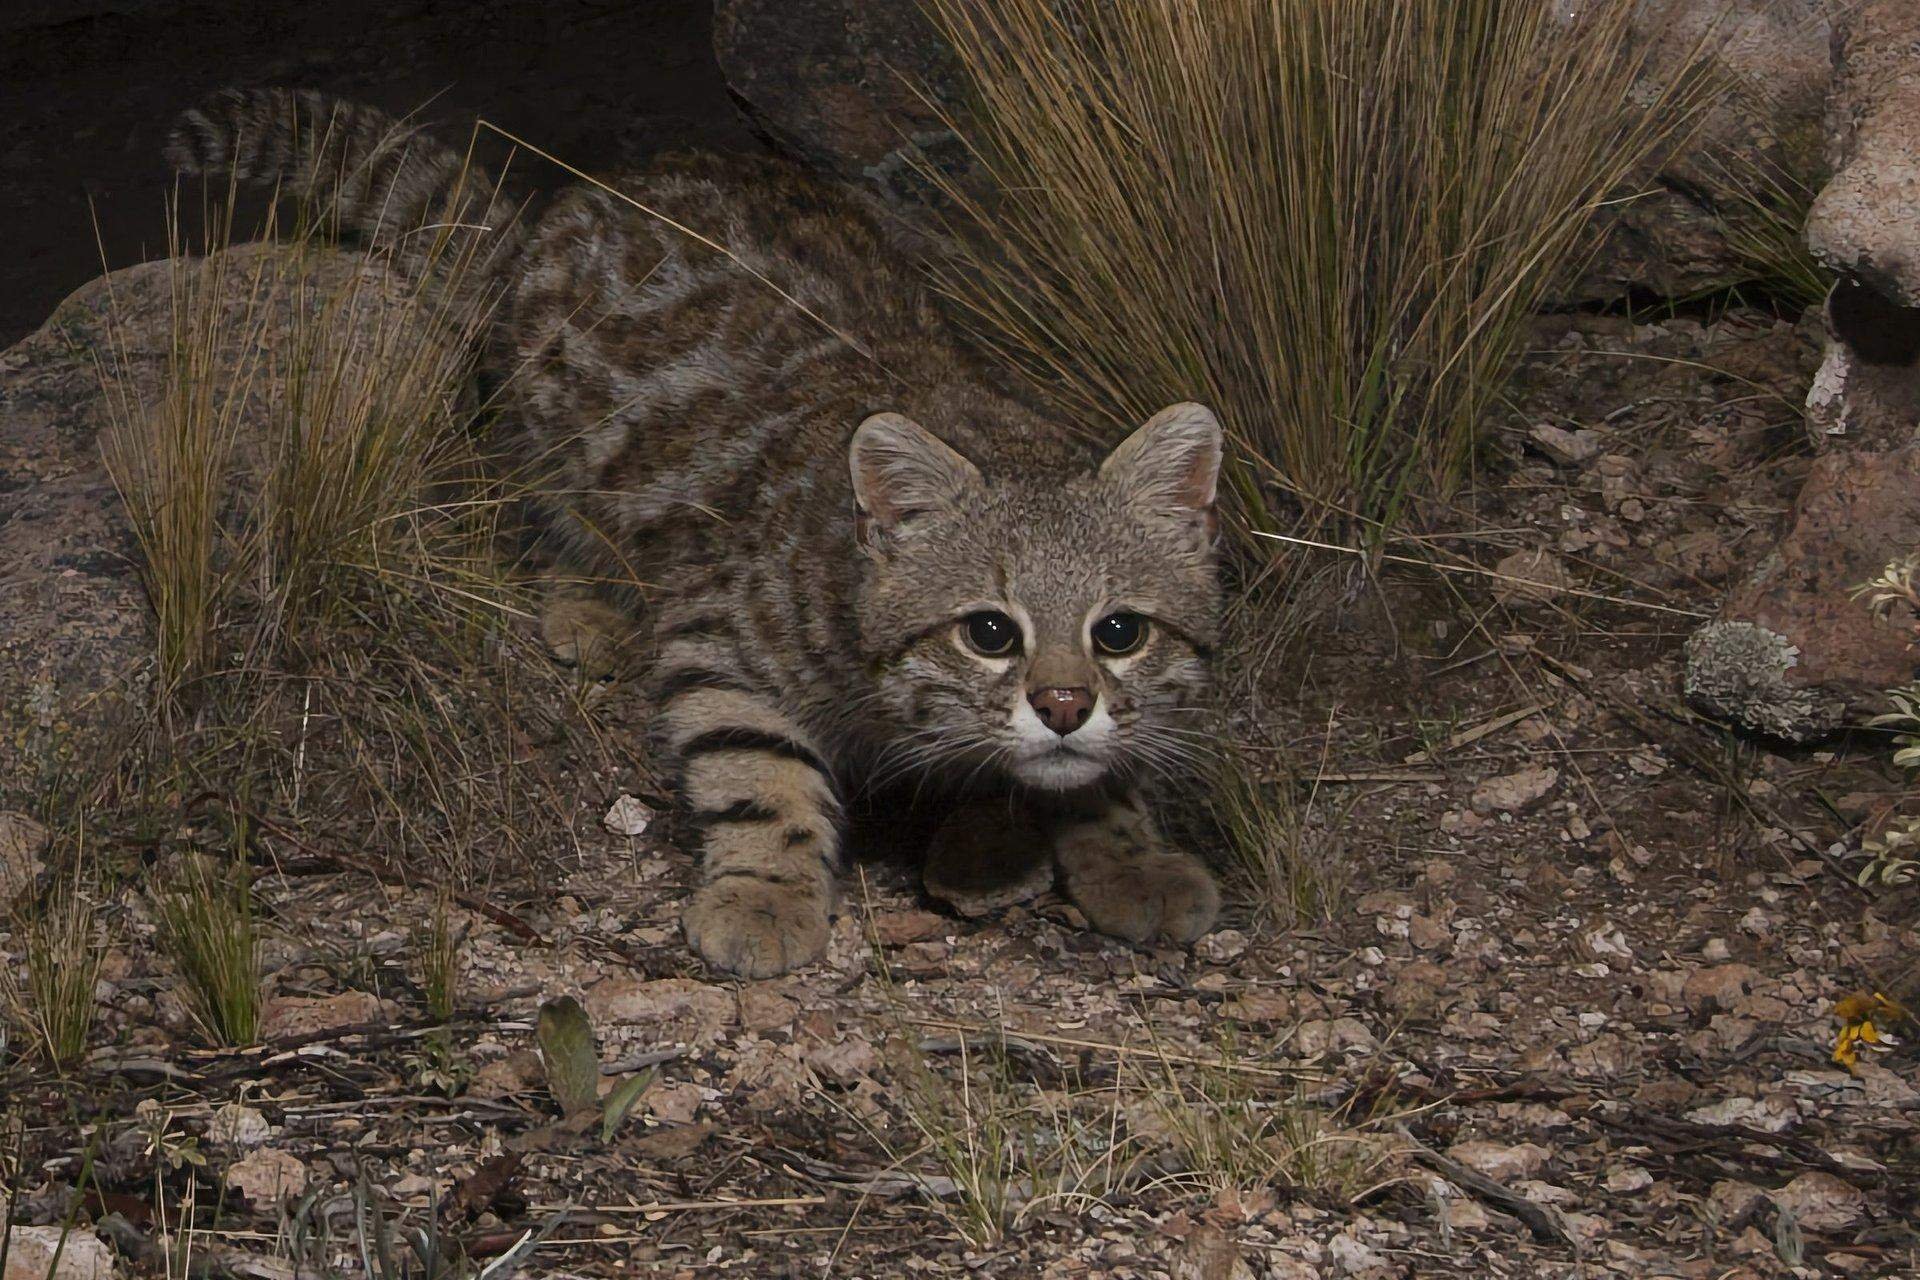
88 88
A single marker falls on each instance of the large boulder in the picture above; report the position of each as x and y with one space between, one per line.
1793 653
854 88
1769 68
76 642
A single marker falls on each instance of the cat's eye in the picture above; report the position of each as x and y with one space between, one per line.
1118 634
991 633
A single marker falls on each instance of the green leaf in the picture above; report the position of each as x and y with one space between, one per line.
621 1101
568 1052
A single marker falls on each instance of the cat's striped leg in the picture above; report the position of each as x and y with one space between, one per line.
1125 877
762 797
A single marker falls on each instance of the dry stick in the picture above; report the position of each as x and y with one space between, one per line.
1477 571
1545 1223
1121 1050
1477 732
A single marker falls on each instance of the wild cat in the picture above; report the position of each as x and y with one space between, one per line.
861 559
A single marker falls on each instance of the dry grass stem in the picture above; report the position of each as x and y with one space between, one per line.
1329 218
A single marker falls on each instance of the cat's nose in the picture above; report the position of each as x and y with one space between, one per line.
1062 710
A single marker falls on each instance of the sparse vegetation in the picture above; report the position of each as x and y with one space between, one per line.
1281 856
1330 220
53 1002
206 924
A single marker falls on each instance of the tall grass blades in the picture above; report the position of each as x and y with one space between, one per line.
52 999
206 924
1329 218
172 457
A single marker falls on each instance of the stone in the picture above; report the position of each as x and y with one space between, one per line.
672 1009
1499 1161
291 1017
628 816
76 653
22 844
83 1256
1515 792
1822 1202
1719 988
1673 238
267 1177
1533 576
237 1127
1793 654
840 82
1865 223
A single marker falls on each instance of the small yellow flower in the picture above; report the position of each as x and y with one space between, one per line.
1861 1017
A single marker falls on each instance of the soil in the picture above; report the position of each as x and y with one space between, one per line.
1563 1003
1571 940
88 95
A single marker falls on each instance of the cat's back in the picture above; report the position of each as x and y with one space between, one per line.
675 344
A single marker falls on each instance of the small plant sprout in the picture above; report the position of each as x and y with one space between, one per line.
206 924
1893 854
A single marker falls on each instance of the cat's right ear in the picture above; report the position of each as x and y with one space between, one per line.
901 470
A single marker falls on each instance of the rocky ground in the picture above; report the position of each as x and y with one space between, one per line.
1562 1002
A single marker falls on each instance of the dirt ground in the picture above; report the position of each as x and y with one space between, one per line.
1568 1010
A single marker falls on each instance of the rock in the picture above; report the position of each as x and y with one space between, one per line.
1793 654
673 1102
267 1177
628 816
1500 1162
290 1017
237 1127
897 928
1775 1113
76 653
1530 576
839 82
1673 238
1211 1254
672 1009
31 1251
1719 988
1822 1202
520 1072
1514 792
1318 1036
762 1008
1568 448
1866 222
22 842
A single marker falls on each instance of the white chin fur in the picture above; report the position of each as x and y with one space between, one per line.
1059 771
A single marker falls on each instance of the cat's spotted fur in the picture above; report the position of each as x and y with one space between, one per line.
819 491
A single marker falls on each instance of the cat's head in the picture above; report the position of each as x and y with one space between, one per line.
1053 628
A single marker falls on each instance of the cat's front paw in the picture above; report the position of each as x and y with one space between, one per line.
756 928
1166 895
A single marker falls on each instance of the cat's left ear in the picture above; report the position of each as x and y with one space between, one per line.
1172 463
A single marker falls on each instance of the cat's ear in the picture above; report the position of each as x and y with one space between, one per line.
901 470
1172 463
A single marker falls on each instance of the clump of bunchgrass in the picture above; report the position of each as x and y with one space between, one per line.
1281 856
1330 219
52 999
1226 1130
206 926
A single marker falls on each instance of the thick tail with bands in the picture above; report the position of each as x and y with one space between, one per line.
386 181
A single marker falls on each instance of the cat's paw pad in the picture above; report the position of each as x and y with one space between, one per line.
756 928
1169 897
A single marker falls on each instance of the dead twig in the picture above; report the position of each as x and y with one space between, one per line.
1545 1222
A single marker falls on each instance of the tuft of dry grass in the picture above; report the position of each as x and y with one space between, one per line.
1328 218
52 1001
1292 867
206 925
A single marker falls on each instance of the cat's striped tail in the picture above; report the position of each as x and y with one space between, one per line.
384 181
